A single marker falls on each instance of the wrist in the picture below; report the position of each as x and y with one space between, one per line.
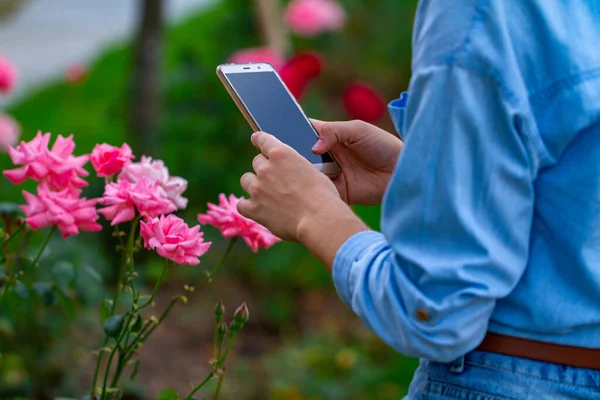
325 230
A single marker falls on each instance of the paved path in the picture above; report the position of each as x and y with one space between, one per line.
46 36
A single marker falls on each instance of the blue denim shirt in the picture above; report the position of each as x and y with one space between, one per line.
491 220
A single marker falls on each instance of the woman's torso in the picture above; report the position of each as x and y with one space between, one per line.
546 53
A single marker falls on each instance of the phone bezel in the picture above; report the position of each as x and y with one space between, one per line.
331 169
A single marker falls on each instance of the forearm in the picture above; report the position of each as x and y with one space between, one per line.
324 232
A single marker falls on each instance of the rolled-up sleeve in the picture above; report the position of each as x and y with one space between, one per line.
456 219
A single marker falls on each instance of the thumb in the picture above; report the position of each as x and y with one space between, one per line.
332 133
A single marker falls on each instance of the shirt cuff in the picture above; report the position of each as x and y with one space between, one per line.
347 258
397 108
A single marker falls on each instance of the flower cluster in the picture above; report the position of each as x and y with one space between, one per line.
143 190
60 173
231 223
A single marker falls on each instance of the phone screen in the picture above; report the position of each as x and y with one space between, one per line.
275 111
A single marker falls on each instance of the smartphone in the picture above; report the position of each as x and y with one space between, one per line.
267 105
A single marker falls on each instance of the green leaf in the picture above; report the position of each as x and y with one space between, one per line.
136 325
7 208
167 394
105 310
63 273
66 302
46 292
114 325
65 398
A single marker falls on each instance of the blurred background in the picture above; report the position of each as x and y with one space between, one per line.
143 71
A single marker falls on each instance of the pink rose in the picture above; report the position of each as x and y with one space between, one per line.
9 132
109 160
312 17
172 238
226 218
256 55
8 75
123 198
62 208
171 187
58 167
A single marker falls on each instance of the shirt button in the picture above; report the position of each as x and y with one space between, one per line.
422 315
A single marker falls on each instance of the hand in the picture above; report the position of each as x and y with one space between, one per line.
286 189
367 155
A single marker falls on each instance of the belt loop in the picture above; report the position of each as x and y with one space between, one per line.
457 366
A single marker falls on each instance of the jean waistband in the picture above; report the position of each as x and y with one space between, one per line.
527 368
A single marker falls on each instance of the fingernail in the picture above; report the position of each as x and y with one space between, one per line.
318 145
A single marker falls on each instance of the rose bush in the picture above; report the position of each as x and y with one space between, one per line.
136 194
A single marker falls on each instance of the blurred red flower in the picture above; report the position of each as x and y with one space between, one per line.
300 70
362 102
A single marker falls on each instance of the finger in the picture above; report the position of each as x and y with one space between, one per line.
332 133
259 163
246 208
265 143
248 181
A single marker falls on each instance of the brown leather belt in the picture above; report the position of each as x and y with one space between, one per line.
580 357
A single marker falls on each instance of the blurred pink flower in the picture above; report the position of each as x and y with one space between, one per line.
171 187
124 197
312 17
9 132
8 75
58 167
226 218
62 208
76 73
172 238
109 160
257 54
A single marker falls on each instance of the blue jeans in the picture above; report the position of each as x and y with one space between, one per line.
488 376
